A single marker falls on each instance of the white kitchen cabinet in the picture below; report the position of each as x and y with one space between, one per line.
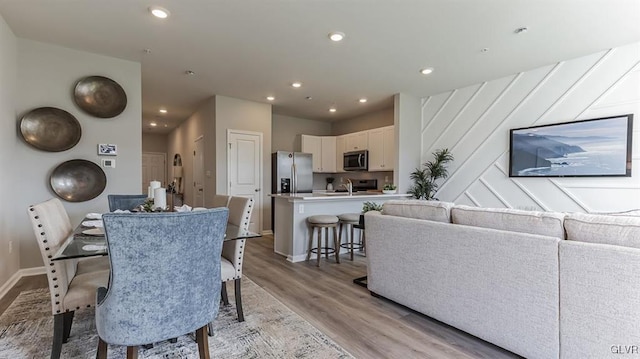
323 151
357 141
381 149
340 145
328 154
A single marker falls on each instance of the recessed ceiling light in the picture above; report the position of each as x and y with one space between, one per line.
362 100
336 36
426 71
165 125
189 72
485 49
153 124
270 98
308 98
162 110
159 12
333 109
296 84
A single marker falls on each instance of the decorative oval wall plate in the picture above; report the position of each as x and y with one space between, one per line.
78 180
100 96
50 129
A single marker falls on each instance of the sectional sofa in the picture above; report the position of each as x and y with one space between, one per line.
540 284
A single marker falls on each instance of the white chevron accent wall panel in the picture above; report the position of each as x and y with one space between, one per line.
474 123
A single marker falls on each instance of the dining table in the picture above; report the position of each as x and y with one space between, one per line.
81 243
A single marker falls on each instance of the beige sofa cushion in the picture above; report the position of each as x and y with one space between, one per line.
542 223
419 209
594 228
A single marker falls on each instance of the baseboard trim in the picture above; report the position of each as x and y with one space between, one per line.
27 272
267 232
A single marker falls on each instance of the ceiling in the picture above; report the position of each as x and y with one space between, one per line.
250 49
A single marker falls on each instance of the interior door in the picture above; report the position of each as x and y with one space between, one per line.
244 161
198 172
154 168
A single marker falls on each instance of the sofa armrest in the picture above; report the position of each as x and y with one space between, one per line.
599 299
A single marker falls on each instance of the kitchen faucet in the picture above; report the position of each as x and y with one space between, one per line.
348 186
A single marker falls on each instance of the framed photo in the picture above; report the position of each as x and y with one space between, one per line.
589 148
107 149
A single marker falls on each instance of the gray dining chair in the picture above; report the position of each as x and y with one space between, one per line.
125 201
240 209
72 282
163 282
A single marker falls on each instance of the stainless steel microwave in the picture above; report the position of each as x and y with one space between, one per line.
356 161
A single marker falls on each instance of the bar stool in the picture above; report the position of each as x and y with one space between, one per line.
350 220
323 222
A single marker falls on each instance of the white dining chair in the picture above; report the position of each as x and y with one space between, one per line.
221 200
233 250
72 282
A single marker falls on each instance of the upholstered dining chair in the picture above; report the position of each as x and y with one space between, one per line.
72 282
233 251
163 282
125 201
221 200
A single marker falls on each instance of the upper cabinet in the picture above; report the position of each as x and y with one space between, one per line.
328 151
381 149
323 151
357 141
340 145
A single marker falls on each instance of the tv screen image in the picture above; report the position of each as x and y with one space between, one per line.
587 148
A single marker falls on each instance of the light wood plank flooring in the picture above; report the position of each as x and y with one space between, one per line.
366 326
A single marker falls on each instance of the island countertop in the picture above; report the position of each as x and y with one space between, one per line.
328 196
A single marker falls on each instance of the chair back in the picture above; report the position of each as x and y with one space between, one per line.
240 209
221 200
165 275
51 226
125 201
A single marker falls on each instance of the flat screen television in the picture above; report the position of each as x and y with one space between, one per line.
588 148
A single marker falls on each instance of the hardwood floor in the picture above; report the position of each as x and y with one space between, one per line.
366 326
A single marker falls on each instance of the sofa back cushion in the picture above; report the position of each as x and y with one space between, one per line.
595 228
542 223
419 209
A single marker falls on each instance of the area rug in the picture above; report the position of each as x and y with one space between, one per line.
270 330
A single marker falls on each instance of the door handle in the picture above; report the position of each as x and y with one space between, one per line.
257 189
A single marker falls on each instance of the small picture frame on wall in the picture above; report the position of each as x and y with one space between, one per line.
107 149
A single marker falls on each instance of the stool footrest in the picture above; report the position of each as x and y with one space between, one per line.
323 250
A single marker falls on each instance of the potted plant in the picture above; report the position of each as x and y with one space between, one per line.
371 206
389 188
425 180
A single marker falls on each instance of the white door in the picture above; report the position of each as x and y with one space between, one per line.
154 168
198 172
244 167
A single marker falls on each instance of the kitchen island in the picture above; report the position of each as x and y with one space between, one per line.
291 232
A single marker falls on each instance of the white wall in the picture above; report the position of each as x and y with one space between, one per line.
182 141
474 123
9 262
286 132
155 143
46 76
369 121
236 114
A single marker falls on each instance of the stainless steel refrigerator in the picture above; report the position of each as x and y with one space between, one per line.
291 172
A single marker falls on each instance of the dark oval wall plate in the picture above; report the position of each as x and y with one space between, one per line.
78 180
50 129
100 96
